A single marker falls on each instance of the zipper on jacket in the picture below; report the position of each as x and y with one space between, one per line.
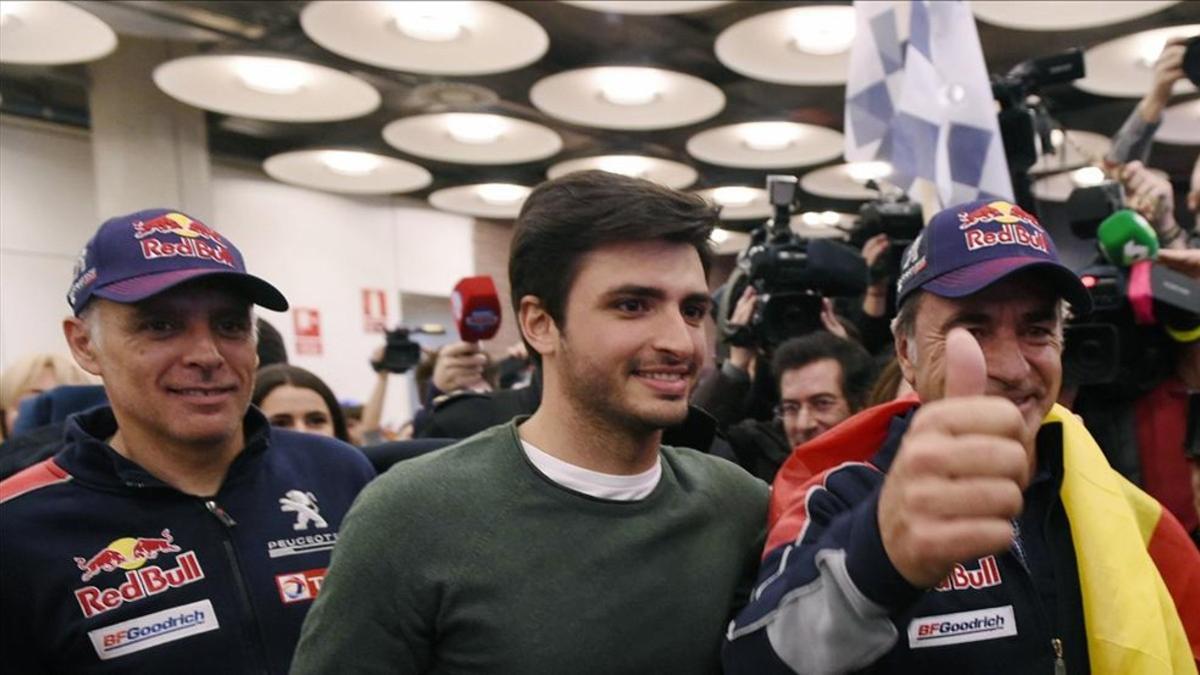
1060 666
247 606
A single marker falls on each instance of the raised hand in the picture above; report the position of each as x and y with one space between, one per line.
958 477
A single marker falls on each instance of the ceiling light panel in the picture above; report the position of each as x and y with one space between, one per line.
766 145
1035 15
48 33
472 138
647 7
627 97
798 45
1124 67
485 200
675 175
266 88
738 202
347 171
446 37
846 181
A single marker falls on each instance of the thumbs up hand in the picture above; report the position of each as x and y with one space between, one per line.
958 477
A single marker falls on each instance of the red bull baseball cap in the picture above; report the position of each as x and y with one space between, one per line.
969 247
135 256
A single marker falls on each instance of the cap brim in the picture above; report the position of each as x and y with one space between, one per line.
974 278
139 288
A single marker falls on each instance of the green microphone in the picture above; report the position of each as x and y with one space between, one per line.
1125 238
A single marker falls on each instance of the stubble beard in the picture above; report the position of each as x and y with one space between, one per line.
602 398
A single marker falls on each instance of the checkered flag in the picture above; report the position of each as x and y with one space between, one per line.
924 102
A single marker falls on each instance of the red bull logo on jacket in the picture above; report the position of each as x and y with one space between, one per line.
141 580
196 240
985 575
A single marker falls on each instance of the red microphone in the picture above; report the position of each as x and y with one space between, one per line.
476 308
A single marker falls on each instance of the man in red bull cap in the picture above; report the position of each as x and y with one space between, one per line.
974 526
176 530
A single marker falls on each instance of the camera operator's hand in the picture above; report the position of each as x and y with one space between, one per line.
459 366
875 299
743 311
1168 68
1185 261
958 477
1152 196
830 321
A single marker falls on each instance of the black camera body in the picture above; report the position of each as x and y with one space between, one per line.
791 275
1120 349
400 352
898 218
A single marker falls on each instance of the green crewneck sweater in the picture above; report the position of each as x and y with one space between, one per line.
469 560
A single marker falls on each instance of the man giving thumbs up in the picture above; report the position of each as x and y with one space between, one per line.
974 527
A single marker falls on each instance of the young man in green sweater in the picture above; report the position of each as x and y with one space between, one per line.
570 541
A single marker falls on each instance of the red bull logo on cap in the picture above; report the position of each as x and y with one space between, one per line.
141 580
176 223
997 212
192 235
1016 227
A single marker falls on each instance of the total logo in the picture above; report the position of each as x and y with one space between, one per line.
141 580
300 586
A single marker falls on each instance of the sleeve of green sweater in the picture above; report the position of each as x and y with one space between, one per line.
374 612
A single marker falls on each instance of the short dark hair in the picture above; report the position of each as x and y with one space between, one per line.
565 218
906 315
271 349
858 371
279 374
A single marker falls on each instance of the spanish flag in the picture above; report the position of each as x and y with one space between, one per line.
1141 604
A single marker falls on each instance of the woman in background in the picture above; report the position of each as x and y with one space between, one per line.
30 376
293 398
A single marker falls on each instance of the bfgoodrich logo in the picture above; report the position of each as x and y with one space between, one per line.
154 629
952 629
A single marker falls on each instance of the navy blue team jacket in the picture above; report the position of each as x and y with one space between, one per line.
105 569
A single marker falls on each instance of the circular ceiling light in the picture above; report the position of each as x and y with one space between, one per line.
646 6
347 171
766 145
845 181
728 242
823 224
1037 15
271 75
627 97
1124 67
266 88
1072 149
487 200
1180 124
472 138
51 33
738 202
451 37
822 31
675 175
430 21
798 45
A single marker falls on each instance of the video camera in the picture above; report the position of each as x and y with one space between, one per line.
400 353
790 274
894 215
1140 308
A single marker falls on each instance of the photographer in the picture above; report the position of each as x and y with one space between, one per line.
823 379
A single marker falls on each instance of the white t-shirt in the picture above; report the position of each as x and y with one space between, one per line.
594 483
